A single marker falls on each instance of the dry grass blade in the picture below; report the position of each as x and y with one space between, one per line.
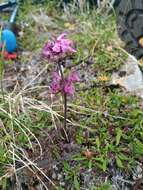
28 163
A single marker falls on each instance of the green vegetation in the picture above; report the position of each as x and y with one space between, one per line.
105 122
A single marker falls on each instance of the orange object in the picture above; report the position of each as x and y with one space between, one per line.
88 154
9 55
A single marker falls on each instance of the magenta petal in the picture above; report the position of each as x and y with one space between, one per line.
74 77
56 76
64 49
47 50
66 42
57 48
55 87
71 50
68 88
62 36
67 49
46 53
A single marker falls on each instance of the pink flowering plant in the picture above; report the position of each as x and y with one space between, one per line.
61 47
57 51
65 86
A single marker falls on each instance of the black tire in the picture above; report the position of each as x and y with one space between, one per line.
130 25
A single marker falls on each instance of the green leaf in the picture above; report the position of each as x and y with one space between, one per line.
76 183
22 138
123 157
79 158
104 165
90 164
4 183
66 166
119 162
98 143
138 147
118 136
60 188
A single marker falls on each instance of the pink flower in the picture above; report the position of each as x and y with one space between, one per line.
47 50
74 77
59 48
68 88
64 85
56 77
62 36
55 85
64 45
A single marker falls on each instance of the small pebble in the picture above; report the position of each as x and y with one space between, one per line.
55 167
60 176
54 176
139 169
62 184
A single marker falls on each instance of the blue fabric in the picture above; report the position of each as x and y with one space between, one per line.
9 39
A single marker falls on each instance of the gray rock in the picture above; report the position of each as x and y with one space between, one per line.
137 172
130 77
54 176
